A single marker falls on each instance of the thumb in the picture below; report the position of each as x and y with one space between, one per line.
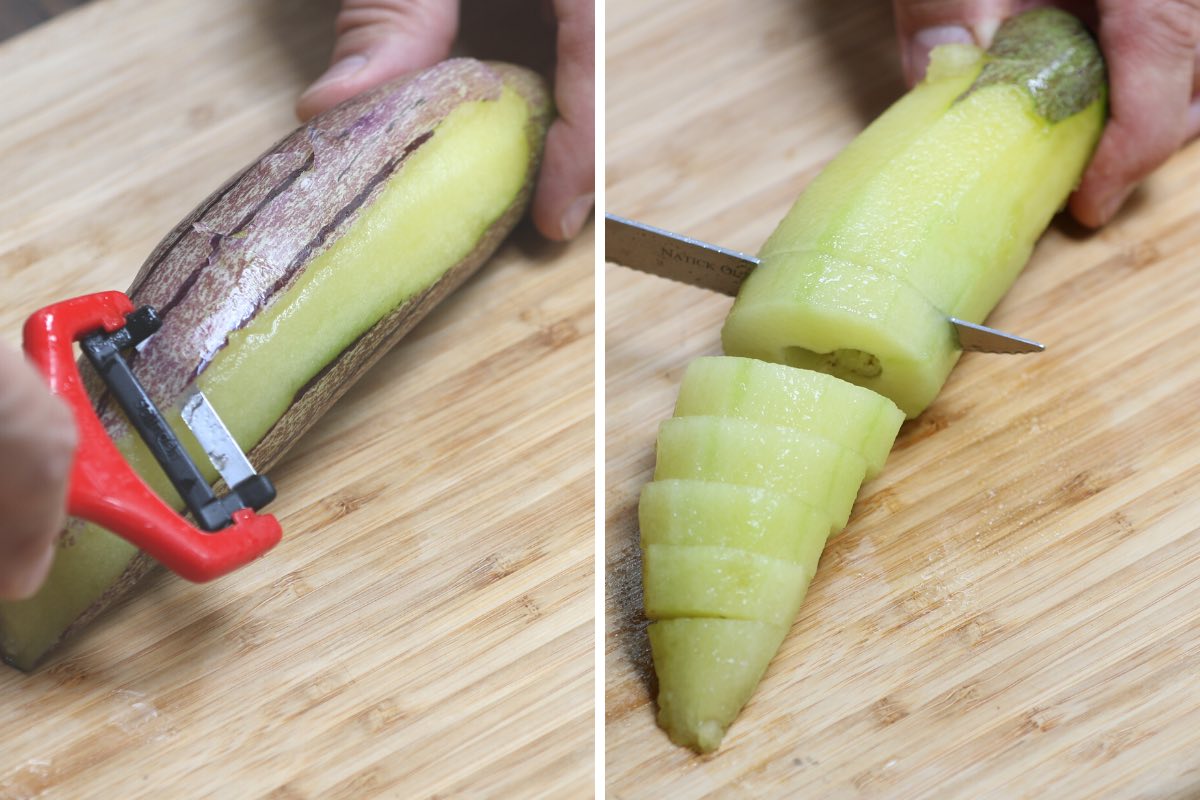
1153 55
924 24
566 183
378 40
37 444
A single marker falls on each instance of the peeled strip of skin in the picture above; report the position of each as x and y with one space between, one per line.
292 279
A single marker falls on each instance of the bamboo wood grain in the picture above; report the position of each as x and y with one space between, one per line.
426 626
1012 610
17 16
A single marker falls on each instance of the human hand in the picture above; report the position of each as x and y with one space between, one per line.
1152 49
380 39
37 443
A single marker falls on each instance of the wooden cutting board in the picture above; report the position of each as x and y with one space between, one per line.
426 627
1014 608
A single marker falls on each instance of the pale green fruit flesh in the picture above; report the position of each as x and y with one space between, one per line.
707 669
860 277
897 234
433 210
952 69
816 470
695 581
745 388
761 521
733 526
846 328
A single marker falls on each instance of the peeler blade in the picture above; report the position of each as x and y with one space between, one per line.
206 425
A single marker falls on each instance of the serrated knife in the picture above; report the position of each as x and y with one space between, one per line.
691 261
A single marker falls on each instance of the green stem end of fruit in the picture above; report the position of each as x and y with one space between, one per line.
1060 87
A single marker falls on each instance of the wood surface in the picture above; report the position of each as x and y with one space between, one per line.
425 629
17 16
1014 608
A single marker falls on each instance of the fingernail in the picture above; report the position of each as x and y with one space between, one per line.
339 71
577 214
985 31
925 40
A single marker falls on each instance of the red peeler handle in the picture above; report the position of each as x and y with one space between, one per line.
103 488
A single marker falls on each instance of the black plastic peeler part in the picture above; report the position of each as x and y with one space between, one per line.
211 512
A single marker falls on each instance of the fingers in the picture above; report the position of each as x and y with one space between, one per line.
1193 122
37 443
564 195
1150 50
378 40
925 24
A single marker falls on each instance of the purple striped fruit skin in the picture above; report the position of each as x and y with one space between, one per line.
252 238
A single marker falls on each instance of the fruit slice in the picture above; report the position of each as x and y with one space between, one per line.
859 278
761 521
816 470
847 328
694 581
749 389
707 669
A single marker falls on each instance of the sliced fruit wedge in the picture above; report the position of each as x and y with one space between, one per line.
721 582
825 314
745 388
707 669
814 469
708 514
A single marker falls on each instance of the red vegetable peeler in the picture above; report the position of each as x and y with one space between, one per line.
104 489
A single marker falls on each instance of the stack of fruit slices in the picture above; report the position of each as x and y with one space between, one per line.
930 213
759 466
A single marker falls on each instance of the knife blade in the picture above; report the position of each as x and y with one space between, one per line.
681 258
